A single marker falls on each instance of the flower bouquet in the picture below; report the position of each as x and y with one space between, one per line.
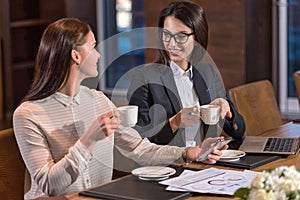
278 184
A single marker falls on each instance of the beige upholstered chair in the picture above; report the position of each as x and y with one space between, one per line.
12 168
296 76
257 103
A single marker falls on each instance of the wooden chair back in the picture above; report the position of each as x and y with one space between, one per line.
12 167
296 76
257 103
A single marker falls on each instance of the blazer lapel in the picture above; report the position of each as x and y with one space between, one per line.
171 89
204 98
201 88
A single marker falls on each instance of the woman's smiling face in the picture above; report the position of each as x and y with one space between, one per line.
179 53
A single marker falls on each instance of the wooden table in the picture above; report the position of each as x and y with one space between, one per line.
288 129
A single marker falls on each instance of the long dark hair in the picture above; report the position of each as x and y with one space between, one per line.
193 16
53 59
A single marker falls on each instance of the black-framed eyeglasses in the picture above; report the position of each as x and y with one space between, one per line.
179 38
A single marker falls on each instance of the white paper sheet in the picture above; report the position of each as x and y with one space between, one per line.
212 180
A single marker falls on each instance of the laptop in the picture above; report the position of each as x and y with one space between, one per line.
270 145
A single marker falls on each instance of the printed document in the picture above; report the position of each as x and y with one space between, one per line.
212 180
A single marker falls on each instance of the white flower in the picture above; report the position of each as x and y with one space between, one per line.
259 181
281 183
261 194
289 186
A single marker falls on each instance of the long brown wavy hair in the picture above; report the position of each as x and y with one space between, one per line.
53 59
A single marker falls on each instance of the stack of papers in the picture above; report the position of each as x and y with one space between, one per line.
212 180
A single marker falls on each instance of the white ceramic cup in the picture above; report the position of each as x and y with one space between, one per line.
128 115
210 114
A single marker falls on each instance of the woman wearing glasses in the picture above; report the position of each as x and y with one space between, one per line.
67 132
181 79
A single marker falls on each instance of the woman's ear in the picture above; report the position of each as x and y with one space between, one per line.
75 56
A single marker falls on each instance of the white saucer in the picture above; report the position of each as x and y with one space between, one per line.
153 173
231 155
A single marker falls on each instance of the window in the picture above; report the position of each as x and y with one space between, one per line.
293 43
287 17
119 50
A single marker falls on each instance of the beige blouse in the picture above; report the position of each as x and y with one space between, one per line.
48 132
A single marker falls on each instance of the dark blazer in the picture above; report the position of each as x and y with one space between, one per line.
154 90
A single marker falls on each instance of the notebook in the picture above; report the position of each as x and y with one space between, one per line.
250 161
270 145
132 188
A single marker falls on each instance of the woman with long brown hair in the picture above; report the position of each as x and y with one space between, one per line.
66 132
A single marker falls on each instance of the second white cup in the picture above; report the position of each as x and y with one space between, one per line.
128 115
210 114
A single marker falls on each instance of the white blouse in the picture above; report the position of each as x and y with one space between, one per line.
48 132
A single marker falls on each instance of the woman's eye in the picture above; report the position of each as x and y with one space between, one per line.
181 36
167 35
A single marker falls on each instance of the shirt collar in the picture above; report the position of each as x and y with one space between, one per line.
67 100
179 72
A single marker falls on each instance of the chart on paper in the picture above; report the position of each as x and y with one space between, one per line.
212 180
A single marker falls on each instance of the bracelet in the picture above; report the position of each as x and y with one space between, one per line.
184 154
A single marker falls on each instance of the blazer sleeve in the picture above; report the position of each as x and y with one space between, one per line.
153 120
235 126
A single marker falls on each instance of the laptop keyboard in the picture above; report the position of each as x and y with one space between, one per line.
279 144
